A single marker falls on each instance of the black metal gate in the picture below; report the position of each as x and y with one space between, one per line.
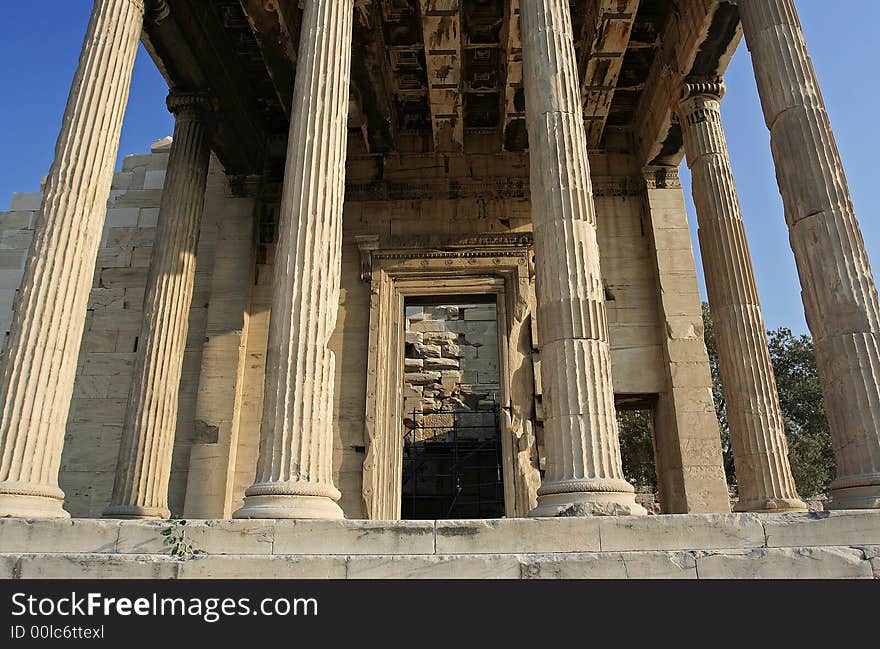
453 469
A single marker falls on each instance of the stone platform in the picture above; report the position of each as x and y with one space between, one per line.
812 545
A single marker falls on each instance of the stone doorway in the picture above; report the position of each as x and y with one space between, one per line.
491 269
452 448
638 446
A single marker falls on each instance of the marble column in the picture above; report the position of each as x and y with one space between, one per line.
838 289
754 414
294 469
140 489
584 475
39 365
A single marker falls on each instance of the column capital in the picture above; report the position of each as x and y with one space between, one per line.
192 104
703 89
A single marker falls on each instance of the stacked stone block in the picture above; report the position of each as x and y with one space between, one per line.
450 365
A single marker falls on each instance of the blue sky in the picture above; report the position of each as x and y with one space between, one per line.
40 44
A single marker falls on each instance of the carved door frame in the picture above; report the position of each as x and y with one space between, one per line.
497 265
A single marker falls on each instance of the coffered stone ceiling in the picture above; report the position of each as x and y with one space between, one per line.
444 76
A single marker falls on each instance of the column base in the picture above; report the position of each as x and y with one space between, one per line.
135 512
867 497
580 503
771 505
27 506
289 506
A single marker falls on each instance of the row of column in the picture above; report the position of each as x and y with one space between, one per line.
839 294
584 474
754 414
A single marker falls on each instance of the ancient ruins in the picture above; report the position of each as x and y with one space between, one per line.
466 221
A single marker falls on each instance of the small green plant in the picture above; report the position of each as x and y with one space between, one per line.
175 537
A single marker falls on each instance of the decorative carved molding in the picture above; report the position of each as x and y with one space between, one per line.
366 245
447 254
494 246
389 190
661 178
190 104
698 108
463 188
406 247
621 186
476 254
396 273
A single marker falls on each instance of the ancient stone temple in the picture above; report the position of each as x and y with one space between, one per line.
408 259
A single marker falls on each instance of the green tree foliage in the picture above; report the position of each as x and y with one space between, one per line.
800 393
637 447
803 408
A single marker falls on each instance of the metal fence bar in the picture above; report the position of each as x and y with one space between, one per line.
460 466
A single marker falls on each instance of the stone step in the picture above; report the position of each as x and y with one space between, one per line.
823 545
832 562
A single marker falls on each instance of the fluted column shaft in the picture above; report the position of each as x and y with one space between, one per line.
294 470
754 414
838 289
140 488
584 474
39 366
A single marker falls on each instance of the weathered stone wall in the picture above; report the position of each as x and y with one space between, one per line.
451 379
631 296
219 406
